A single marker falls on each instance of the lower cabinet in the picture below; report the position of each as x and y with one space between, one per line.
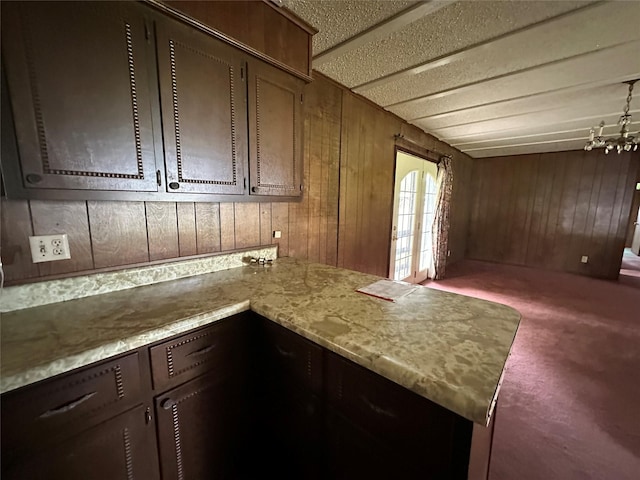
242 398
200 429
120 448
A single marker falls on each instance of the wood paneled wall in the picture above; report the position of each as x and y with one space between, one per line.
548 210
343 219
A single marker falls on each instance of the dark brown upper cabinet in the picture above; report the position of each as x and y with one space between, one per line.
80 91
203 99
275 131
127 101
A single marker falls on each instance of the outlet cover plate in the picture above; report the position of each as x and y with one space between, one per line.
49 248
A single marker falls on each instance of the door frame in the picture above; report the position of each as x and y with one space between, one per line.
422 154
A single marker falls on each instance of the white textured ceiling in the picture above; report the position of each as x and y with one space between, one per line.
489 77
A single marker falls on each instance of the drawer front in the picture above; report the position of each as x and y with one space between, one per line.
387 410
291 357
65 405
198 352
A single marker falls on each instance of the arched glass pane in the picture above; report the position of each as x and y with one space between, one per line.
406 225
426 242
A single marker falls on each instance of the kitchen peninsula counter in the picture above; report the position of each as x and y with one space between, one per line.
445 347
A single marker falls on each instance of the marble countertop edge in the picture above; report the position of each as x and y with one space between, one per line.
117 347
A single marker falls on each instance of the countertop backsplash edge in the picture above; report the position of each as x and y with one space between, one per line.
61 290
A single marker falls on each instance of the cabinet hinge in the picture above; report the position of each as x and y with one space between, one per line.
159 178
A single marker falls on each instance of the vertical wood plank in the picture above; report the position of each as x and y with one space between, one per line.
266 233
68 217
248 224
228 226
162 230
549 245
280 221
16 229
208 227
118 233
187 241
313 165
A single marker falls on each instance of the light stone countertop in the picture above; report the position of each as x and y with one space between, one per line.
448 348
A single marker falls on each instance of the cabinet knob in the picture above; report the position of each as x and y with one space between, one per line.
33 178
174 185
167 404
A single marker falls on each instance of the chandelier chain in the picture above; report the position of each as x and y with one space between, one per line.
629 97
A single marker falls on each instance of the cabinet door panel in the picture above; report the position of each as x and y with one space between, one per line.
275 131
203 96
199 429
122 448
80 90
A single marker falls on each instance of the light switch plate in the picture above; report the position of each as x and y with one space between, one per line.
48 248
277 234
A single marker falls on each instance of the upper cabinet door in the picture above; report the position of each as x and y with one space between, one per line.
78 79
203 98
275 131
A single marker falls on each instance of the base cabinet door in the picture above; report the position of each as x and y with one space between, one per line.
119 449
199 430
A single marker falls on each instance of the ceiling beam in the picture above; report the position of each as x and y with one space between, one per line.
464 53
467 87
382 29
533 135
514 145
564 90
597 117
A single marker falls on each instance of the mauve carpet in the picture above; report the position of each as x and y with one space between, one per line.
569 407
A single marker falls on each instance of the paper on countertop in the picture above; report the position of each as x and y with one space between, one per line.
388 289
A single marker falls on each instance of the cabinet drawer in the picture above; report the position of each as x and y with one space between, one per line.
207 350
389 411
292 358
65 405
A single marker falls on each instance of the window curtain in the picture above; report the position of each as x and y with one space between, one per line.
444 184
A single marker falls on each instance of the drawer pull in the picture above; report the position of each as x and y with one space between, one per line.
167 404
67 406
378 410
285 353
202 351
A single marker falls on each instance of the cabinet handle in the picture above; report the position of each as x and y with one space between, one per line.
33 178
67 406
174 185
167 404
285 353
378 410
202 351
254 189
147 416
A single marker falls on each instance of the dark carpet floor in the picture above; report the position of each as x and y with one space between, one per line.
569 407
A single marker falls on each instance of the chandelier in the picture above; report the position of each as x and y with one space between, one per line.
625 142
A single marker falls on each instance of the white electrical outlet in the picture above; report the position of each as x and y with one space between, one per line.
48 248
277 234
584 259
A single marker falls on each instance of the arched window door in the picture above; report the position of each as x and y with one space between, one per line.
414 207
